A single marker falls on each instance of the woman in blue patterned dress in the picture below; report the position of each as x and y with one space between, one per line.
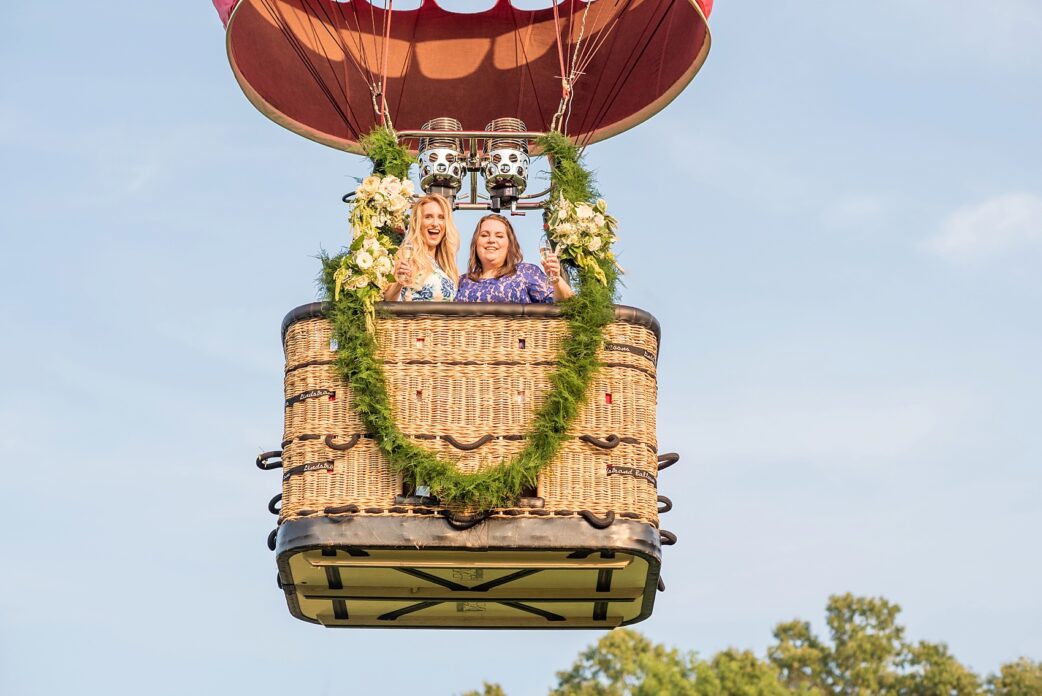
425 268
496 272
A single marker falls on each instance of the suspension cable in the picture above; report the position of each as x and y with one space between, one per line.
634 57
309 66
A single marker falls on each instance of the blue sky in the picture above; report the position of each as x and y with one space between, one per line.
839 225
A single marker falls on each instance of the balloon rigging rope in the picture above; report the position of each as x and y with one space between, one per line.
361 43
372 23
582 54
527 69
566 88
594 45
309 66
597 44
385 118
316 40
336 31
573 74
405 66
557 35
635 55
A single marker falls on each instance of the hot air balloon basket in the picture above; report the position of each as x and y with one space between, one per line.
464 381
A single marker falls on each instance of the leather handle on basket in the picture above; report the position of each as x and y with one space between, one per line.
667 460
667 505
271 539
464 521
277 500
264 465
598 522
342 447
611 442
484 439
666 537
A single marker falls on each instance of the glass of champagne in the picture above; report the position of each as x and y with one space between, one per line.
545 250
406 253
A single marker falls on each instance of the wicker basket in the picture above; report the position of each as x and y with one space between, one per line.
465 380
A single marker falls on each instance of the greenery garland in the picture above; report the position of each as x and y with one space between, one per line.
587 313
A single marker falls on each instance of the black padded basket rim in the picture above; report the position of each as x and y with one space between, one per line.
623 313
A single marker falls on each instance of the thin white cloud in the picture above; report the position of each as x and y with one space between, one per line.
1000 225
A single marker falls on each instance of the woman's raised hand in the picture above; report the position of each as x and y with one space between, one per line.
551 266
402 271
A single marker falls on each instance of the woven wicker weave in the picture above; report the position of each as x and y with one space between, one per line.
455 376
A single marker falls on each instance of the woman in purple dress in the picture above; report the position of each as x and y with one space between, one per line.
496 272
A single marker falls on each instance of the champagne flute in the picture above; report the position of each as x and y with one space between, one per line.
406 252
545 250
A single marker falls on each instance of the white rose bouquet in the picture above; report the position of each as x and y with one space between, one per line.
583 233
382 203
381 206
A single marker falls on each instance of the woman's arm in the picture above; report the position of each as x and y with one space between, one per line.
562 290
392 292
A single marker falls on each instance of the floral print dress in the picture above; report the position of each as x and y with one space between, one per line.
527 285
438 287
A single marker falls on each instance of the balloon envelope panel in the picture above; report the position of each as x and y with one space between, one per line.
313 65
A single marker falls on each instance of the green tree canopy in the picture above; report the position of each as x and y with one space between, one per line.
866 654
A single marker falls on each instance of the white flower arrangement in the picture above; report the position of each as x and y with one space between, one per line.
382 203
381 206
583 233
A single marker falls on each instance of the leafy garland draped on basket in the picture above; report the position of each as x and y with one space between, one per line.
587 313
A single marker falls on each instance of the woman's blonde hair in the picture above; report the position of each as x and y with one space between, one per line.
444 254
514 255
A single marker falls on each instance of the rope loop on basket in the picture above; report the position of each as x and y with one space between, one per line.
342 447
467 447
463 522
666 506
271 539
610 442
666 537
341 509
667 460
598 522
264 464
276 501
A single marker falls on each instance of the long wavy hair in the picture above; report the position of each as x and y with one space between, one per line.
444 254
514 255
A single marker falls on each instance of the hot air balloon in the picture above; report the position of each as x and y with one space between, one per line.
359 543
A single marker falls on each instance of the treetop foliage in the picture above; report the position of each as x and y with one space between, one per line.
866 654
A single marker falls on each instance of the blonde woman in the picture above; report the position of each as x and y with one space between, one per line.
425 266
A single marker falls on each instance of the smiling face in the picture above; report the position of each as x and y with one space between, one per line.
494 251
432 225
493 243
